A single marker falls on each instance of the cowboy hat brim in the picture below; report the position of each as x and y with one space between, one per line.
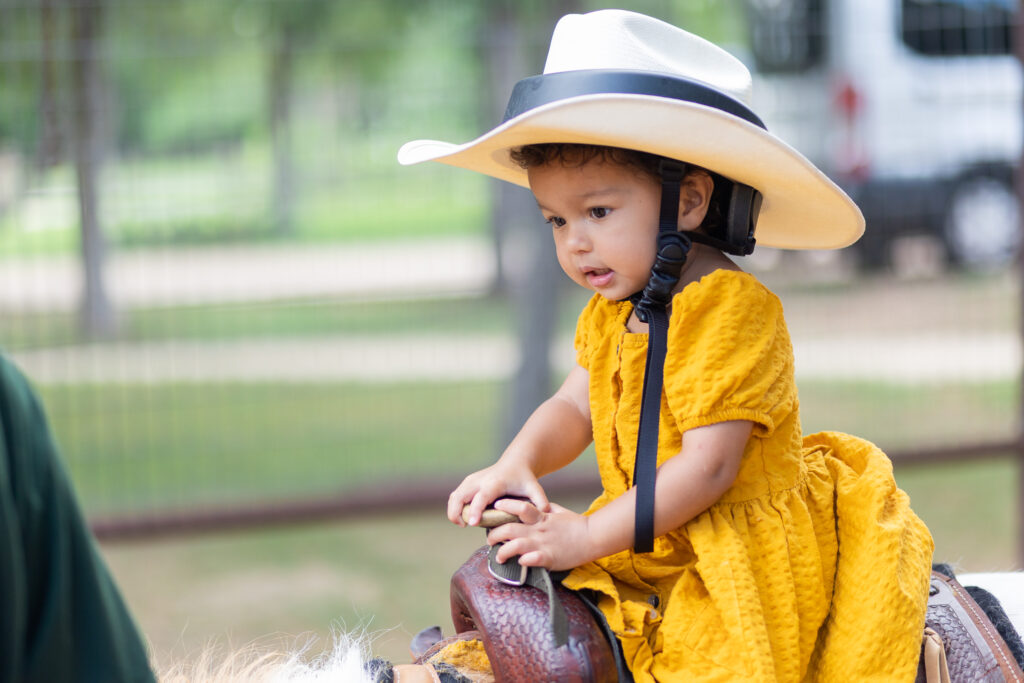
801 209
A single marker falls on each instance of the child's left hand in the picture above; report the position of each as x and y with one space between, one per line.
559 539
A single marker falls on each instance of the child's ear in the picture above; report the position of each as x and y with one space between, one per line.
694 198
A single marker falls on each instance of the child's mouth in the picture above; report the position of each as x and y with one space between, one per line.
599 277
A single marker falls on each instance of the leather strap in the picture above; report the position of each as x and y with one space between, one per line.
651 306
973 648
539 578
933 658
645 467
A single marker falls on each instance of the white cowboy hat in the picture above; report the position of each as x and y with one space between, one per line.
623 79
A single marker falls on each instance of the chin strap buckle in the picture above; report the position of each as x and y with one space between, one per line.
668 263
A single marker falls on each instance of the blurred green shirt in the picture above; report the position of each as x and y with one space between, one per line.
62 617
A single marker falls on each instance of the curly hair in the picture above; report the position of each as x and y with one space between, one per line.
574 155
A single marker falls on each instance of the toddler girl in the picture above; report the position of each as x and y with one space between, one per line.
725 545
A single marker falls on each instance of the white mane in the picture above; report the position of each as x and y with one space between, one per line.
344 662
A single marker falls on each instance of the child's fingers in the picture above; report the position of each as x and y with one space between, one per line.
512 538
456 501
534 558
506 552
526 511
481 500
513 544
535 493
459 498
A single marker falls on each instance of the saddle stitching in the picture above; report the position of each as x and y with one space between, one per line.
982 622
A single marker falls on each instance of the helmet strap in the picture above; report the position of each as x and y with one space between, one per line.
651 306
672 245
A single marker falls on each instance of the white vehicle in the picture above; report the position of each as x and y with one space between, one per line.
913 106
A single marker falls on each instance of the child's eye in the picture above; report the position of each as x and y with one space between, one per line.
600 212
556 221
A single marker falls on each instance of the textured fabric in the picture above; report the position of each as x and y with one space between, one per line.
467 656
63 618
812 566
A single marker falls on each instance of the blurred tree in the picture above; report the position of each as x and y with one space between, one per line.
289 25
97 313
19 77
50 148
308 29
183 75
514 47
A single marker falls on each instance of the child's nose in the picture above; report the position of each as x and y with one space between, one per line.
577 239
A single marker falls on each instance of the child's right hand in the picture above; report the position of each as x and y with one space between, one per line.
480 489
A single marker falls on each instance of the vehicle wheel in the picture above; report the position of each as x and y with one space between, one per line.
982 223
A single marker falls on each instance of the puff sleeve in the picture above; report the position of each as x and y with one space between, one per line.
729 355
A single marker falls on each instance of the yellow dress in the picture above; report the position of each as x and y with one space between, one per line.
812 566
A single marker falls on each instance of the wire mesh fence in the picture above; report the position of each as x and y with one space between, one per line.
231 297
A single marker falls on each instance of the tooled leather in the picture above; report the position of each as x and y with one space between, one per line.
975 653
964 659
514 624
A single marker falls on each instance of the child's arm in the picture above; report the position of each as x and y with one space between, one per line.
554 435
686 485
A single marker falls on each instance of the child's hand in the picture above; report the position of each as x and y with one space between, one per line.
559 539
481 488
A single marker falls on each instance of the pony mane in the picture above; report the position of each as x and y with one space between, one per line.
345 662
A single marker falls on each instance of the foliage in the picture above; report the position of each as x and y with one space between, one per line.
188 75
188 92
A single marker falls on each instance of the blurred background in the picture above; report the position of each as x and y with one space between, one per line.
268 352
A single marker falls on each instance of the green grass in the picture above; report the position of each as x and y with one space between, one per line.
387 576
971 509
138 448
283 318
286 318
912 416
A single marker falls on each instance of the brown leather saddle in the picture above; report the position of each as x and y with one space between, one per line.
515 626
960 644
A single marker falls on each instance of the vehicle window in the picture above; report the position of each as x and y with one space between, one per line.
786 35
945 28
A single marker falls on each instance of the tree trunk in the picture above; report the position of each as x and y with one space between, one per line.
97 314
502 55
51 142
533 276
279 93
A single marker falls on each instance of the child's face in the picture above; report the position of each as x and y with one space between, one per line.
604 218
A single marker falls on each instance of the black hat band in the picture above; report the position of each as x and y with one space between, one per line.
535 91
